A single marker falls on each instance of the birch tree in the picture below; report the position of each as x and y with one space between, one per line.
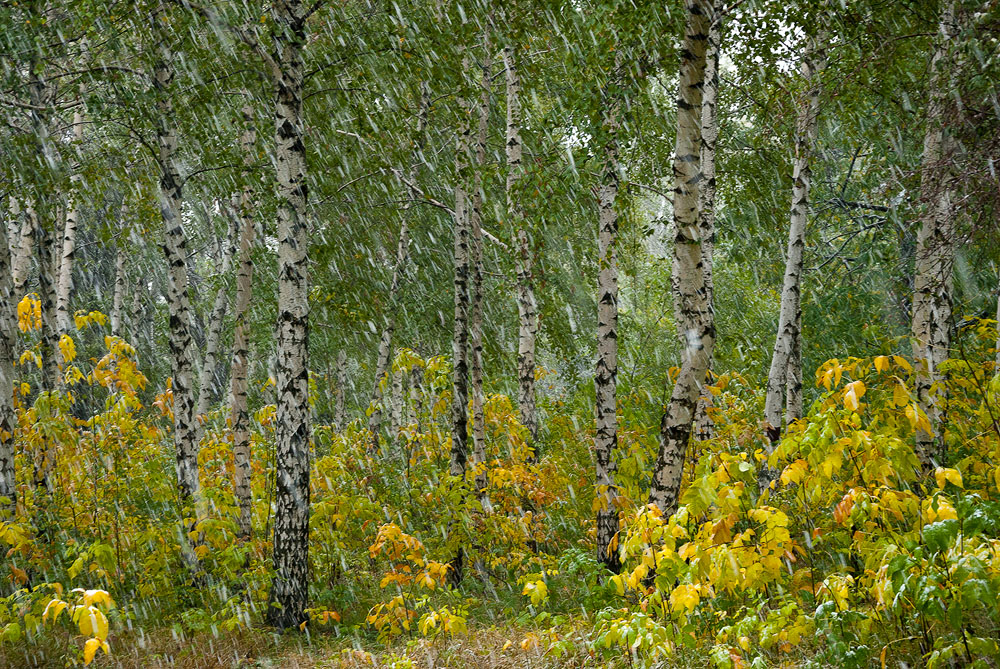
384 361
527 307
182 348
605 378
209 368
289 592
935 252
476 274
786 363
706 192
71 222
460 340
8 415
692 307
239 410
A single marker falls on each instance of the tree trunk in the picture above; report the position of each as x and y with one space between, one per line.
48 278
21 267
182 348
118 298
935 252
605 379
460 340
338 410
8 415
210 387
476 278
793 382
691 299
65 287
996 367
289 593
239 411
785 374
384 361
706 195
527 308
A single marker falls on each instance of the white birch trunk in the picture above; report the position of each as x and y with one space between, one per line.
21 267
239 410
210 387
338 410
605 378
8 415
182 348
65 286
785 375
460 339
935 252
289 592
705 428
527 307
692 305
476 278
118 297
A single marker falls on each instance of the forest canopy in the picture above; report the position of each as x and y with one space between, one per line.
499 334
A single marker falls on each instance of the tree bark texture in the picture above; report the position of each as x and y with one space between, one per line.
289 592
692 306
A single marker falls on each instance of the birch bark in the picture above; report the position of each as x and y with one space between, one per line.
706 195
239 411
65 285
238 382
289 592
210 386
605 378
476 277
182 348
8 415
460 339
527 307
785 375
935 252
691 299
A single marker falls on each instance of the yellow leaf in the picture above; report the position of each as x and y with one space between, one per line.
900 395
684 597
55 607
90 649
91 621
881 363
902 363
943 474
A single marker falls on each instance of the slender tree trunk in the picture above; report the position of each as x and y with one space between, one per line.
21 267
8 415
416 393
476 277
338 410
527 308
48 277
691 299
210 388
289 593
935 252
118 298
605 379
396 404
706 195
384 360
785 374
460 340
793 382
239 411
182 348
65 286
